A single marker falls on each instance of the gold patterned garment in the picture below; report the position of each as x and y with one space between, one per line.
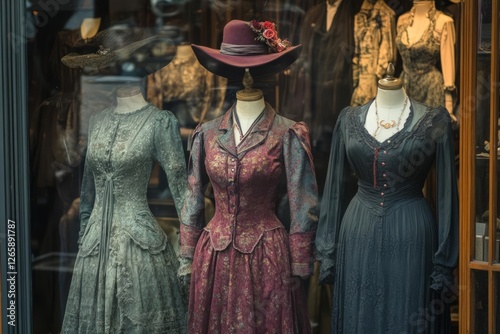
374 34
187 89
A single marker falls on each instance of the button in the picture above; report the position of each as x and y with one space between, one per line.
381 204
384 175
385 185
389 141
231 227
385 152
382 194
232 159
232 169
383 164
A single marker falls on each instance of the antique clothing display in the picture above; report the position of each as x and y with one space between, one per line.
244 259
124 278
387 254
374 34
428 61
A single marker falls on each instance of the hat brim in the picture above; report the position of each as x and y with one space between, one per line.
234 66
95 60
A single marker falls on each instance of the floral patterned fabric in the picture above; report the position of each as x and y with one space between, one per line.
124 279
386 253
374 34
245 258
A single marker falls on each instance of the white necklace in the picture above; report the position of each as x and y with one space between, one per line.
390 124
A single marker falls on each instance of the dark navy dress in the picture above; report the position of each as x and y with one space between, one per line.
387 254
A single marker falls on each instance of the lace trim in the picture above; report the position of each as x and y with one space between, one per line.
356 126
441 278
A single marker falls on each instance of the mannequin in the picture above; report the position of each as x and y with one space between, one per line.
249 106
421 33
408 250
243 259
391 104
129 99
123 252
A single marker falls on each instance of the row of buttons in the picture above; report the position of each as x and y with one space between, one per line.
384 175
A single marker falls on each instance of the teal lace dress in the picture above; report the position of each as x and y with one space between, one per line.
124 279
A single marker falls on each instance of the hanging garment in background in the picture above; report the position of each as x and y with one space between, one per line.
374 39
188 90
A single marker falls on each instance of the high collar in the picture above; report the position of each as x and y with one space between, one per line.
256 136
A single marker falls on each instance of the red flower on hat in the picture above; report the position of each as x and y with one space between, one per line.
266 33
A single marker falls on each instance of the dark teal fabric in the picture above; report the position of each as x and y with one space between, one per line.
387 253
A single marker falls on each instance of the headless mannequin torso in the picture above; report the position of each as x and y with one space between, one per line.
420 22
129 99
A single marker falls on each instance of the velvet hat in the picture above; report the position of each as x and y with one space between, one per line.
253 45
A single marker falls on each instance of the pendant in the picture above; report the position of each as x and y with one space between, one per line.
388 125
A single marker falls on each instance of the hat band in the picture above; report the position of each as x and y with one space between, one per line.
243 50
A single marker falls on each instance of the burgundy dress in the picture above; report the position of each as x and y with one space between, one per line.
245 261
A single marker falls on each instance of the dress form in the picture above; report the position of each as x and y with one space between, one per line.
391 104
249 106
421 17
129 99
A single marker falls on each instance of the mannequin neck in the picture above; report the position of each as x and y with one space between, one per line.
129 99
250 109
390 99
183 52
422 7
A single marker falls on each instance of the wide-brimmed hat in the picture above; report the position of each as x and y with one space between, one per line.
118 45
253 45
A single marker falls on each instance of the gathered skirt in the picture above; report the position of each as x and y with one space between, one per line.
246 293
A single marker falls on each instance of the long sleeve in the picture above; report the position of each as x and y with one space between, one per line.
303 196
446 255
448 54
87 198
170 154
193 212
87 193
332 206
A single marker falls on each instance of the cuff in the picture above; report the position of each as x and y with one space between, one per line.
189 238
301 246
185 267
327 272
441 277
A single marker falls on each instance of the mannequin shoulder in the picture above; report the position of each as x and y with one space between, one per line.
443 21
